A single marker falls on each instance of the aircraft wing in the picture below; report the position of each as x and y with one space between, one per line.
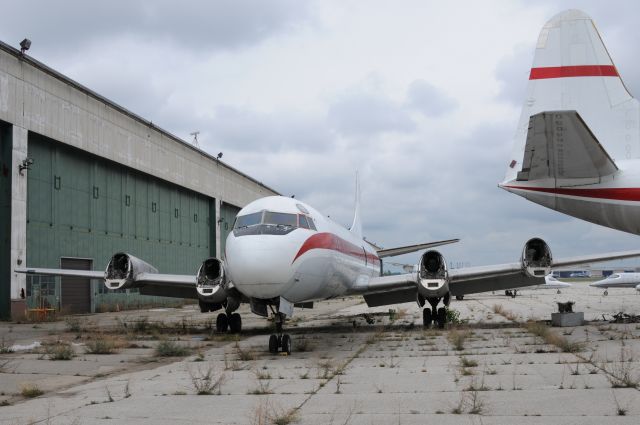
164 285
89 274
390 252
394 289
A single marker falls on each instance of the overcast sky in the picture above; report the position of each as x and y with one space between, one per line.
422 97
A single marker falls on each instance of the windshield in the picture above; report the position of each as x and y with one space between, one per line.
614 276
280 219
248 220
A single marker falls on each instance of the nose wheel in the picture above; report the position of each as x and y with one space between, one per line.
434 314
279 341
231 322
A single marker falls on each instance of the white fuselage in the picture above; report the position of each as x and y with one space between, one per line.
619 280
614 202
266 260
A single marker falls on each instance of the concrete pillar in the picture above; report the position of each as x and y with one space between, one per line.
218 229
18 221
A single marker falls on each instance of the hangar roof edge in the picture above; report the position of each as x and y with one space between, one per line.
44 68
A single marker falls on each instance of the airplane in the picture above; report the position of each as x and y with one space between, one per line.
550 282
619 280
282 254
577 145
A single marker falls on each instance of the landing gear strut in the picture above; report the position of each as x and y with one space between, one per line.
279 340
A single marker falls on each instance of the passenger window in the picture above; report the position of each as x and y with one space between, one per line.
303 221
312 225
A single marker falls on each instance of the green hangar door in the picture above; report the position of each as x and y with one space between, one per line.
75 292
228 215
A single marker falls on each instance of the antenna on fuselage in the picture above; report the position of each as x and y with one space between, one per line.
356 227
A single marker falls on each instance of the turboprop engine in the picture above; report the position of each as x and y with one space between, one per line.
211 282
433 277
536 258
123 269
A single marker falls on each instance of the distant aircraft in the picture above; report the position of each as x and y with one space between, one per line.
619 280
550 282
577 146
283 253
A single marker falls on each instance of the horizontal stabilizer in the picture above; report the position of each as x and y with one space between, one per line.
390 252
561 146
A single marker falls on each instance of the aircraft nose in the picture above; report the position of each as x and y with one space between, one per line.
259 267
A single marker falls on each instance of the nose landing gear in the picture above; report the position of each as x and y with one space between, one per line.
230 321
279 340
434 314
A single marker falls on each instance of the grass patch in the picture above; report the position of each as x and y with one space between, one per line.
30 391
101 345
466 362
60 351
207 383
244 354
167 348
551 337
458 338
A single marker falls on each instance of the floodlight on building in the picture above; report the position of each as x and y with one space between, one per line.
25 45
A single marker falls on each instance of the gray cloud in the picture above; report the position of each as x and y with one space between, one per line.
363 114
223 24
428 99
247 131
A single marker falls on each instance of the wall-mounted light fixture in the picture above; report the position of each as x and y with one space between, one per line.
25 45
25 165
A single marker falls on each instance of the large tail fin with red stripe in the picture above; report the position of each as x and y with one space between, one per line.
572 71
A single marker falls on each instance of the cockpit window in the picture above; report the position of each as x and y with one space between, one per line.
614 276
303 221
271 223
248 220
312 225
280 219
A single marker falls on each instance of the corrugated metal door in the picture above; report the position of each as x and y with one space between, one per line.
228 214
75 292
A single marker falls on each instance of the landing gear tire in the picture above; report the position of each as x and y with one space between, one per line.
222 323
235 323
204 307
273 344
426 317
606 293
558 292
459 297
441 317
507 293
286 344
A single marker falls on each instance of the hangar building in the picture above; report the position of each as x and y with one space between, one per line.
82 178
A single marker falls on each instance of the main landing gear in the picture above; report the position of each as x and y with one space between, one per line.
279 340
230 321
434 314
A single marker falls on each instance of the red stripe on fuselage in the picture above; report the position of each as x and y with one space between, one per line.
617 194
336 243
573 71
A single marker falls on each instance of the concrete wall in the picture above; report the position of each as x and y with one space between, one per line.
35 98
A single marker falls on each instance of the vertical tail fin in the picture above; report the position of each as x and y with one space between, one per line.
356 227
572 70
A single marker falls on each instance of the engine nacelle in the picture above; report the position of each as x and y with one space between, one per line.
211 281
122 271
536 258
638 288
433 277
